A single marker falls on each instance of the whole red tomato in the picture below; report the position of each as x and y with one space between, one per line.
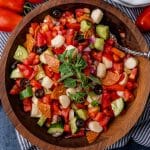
143 20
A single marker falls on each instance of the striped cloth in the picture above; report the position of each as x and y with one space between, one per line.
140 133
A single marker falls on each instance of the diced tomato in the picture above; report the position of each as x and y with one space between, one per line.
59 50
41 39
111 78
46 99
107 48
69 36
67 128
65 114
15 90
25 70
108 55
56 76
35 83
97 56
114 95
118 67
49 37
32 28
110 42
115 87
106 100
108 112
79 12
63 20
32 59
27 105
128 96
99 116
102 119
48 71
133 74
131 85
55 108
75 26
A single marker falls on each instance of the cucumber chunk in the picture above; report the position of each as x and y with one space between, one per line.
20 54
16 74
117 106
73 125
102 31
26 93
82 114
55 128
99 44
41 121
85 25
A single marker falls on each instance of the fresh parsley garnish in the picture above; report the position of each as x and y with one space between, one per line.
70 82
78 97
94 103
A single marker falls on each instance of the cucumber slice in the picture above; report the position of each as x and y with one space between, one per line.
99 44
16 74
21 53
26 93
73 125
40 74
41 121
102 31
85 25
117 106
55 128
82 114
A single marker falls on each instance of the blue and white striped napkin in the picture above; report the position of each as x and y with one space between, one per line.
140 133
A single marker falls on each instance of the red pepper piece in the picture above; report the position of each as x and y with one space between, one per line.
13 5
8 20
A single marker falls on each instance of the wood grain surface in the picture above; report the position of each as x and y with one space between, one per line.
120 126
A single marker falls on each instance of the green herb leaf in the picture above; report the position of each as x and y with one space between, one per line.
80 63
65 76
70 82
94 79
94 103
62 57
78 97
65 68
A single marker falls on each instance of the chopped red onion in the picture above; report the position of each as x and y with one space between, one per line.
87 49
92 39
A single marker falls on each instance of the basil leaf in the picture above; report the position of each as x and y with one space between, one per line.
65 68
70 82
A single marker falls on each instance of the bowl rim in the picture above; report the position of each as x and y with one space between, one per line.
5 101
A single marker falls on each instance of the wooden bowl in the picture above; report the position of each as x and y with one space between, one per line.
121 125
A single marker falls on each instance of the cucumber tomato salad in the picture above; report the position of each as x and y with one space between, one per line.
70 76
